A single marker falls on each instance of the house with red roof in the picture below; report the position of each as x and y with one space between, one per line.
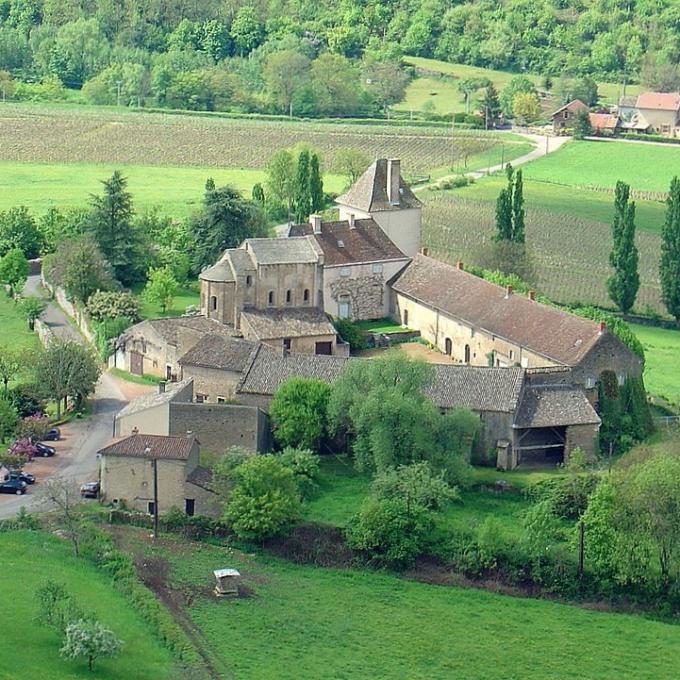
656 112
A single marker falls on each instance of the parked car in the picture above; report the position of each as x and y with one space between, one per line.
43 449
53 435
89 490
22 477
14 486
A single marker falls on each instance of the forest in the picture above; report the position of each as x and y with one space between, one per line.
316 58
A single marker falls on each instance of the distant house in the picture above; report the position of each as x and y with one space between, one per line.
126 475
657 112
604 123
563 118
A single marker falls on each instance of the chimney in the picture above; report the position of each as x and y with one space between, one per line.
393 174
602 326
531 294
425 251
315 221
351 221
508 292
161 387
460 265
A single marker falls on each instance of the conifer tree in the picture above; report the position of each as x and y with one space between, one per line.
491 106
518 235
315 183
624 283
302 200
669 267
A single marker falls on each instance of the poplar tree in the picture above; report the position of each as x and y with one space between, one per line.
302 200
315 183
624 283
669 267
504 216
518 209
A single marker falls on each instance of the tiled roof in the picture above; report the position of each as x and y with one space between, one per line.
202 477
369 192
269 369
218 272
663 101
150 446
299 250
233 262
573 105
629 101
476 387
146 401
216 351
168 328
287 323
552 333
367 242
603 121
554 406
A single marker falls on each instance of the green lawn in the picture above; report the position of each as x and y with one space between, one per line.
175 191
386 325
185 297
662 369
32 651
567 200
306 622
14 331
645 167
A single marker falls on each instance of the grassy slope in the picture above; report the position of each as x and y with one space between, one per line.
32 651
662 372
358 624
645 167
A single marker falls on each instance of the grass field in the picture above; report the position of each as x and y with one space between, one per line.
445 96
330 623
645 167
32 651
184 298
14 331
662 370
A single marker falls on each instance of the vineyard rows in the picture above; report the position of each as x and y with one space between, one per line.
54 135
569 254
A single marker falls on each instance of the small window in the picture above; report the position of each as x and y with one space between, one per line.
448 346
512 355
590 383
249 280
189 506
270 298
377 268
466 354
213 303
406 317
287 344
201 398
305 296
289 297
344 271
151 508
221 400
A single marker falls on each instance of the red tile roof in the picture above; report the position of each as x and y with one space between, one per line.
573 105
603 121
663 101
150 446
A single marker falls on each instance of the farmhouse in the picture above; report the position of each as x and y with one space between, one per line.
127 474
604 123
479 323
563 119
657 112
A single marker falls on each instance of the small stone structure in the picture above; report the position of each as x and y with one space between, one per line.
227 582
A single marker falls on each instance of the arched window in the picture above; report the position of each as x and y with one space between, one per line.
289 297
305 296
406 317
467 354
270 297
213 303
448 346
249 280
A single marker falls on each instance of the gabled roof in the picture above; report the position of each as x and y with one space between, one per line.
369 192
287 323
202 477
169 328
573 105
151 446
554 406
216 351
661 101
603 121
299 250
153 399
366 242
556 335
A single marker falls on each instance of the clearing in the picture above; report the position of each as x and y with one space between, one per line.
662 371
31 558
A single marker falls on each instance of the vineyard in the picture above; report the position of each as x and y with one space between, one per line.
569 254
89 135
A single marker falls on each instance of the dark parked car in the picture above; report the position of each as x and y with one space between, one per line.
14 486
53 435
22 477
89 490
43 449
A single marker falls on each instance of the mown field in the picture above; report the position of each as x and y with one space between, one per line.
311 622
30 650
662 369
444 94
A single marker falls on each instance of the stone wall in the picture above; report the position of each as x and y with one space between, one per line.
608 354
366 295
212 383
219 426
583 437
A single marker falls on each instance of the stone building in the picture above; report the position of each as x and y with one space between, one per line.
564 118
479 323
126 474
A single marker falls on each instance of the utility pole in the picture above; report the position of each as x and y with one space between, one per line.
581 546
154 462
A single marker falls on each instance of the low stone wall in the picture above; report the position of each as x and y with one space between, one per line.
43 331
80 319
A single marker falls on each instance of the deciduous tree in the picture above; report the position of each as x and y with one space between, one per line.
351 163
161 288
32 307
526 107
8 419
18 229
285 74
14 271
90 640
582 126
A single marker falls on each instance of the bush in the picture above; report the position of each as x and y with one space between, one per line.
26 399
304 465
350 333
415 483
107 330
566 495
106 305
33 427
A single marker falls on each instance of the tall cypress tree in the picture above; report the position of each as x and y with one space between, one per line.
518 210
302 200
669 267
624 283
504 216
621 195
315 183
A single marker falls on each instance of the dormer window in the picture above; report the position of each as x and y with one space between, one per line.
270 298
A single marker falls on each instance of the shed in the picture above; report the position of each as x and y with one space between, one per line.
227 582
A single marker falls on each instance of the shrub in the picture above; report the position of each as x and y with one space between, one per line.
304 465
57 608
415 483
26 399
105 305
566 495
23 448
33 427
107 330
350 333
